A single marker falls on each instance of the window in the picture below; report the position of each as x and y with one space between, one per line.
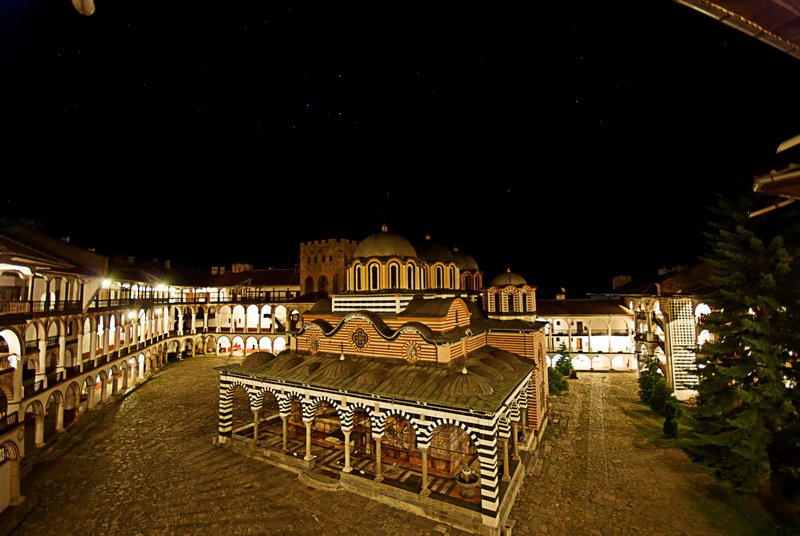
524 299
497 306
357 276
510 298
394 276
330 258
410 276
423 277
453 277
439 277
467 283
558 322
374 276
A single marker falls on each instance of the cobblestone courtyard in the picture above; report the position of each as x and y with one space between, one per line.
147 466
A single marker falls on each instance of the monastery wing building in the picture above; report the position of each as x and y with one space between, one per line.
402 388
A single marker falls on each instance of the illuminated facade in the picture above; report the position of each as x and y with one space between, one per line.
401 389
668 317
78 329
598 333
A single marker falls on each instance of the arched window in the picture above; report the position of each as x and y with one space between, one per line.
410 279
497 306
394 275
477 282
357 276
510 298
524 302
453 282
423 278
439 277
466 282
374 276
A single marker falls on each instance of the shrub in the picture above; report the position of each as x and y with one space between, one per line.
556 382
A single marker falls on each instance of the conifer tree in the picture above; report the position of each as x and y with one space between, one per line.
747 418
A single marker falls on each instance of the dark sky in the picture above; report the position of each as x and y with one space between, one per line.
571 142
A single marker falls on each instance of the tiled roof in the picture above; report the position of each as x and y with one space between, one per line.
432 383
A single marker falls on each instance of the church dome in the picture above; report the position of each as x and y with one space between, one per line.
384 244
508 278
431 252
464 261
257 359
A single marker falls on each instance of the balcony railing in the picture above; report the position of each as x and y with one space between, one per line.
38 307
8 422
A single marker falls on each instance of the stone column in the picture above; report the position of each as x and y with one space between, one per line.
347 467
79 349
378 468
40 370
506 465
38 440
589 339
425 490
308 457
93 342
205 319
514 426
117 336
62 355
59 416
194 327
255 424
180 323
285 423
14 496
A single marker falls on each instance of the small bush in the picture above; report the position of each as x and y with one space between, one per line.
556 382
659 395
670 428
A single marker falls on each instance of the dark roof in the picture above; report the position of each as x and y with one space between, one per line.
257 278
775 22
547 308
52 250
783 183
435 308
155 272
492 375
689 281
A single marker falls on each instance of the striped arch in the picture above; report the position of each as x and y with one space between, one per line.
347 414
257 398
378 421
226 405
485 441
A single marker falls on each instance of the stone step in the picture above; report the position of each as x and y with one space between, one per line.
319 481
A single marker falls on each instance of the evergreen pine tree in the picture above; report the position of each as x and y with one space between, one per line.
746 421
564 363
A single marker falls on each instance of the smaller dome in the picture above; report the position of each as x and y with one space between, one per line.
337 370
464 261
384 244
368 380
285 363
465 384
508 278
432 252
257 359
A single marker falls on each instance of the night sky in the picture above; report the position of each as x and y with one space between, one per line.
496 128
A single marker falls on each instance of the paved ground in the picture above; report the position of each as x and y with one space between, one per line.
599 475
148 466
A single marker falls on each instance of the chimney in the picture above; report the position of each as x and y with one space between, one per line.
427 236
562 295
168 264
384 228
214 270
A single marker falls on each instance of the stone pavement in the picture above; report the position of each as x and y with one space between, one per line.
147 466
597 475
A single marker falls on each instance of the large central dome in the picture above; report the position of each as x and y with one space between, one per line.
384 244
